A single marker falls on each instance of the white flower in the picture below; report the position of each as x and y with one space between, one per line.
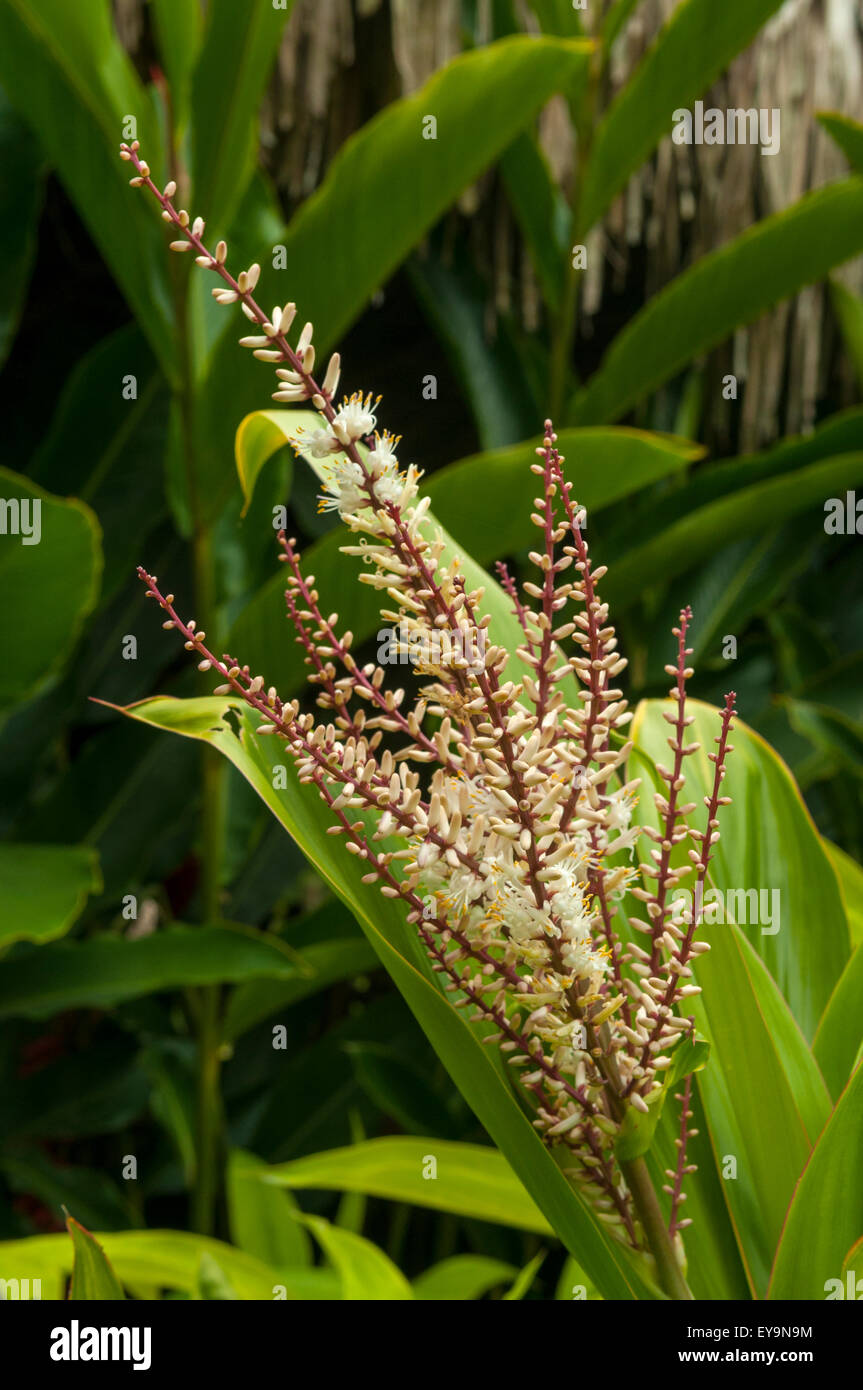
354 419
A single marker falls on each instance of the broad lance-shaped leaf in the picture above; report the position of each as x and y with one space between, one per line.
92 1275
691 49
840 1031
364 1271
461 1277
154 1259
262 1219
105 970
237 57
825 1217
399 161
848 135
43 889
764 1097
467 1180
729 287
850 877
476 1071
63 67
50 569
769 867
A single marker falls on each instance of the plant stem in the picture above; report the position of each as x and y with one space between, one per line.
659 1241
209 1114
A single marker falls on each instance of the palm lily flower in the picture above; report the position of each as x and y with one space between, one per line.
493 802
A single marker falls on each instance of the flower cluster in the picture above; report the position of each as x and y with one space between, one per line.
495 800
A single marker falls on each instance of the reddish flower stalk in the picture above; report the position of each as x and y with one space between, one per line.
494 805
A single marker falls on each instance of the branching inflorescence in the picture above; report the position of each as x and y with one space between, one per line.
500 813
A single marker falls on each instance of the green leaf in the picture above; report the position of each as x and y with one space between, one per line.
468 1180
480 100
848 308
744 512
105 970
20 206
263 1221
43 889
615 18
524 1279
825 1217
65 70
366 1273
237 57
157 1259
848 135
638 1128
690 50
840 1031
769 846
834 733
212 1281
107 451
323 964
490 367
179 26
461 1277
50 568
729 287
850 876
92 1275
763 1095
541 211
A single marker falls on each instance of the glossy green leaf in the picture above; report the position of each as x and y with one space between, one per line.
107 451
764 1097
461 1277
691 49
744 512
825 1218
839 737
323 965
492 367
179 26
850 876
64 69
480 100
366 1273
50 568
476 1071
769 847
157 1259
262 1219
92 1275
104 970
43 889
237 57
840 1031
735 285
848 135
212 1282
541 211
524 1279
468 1180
